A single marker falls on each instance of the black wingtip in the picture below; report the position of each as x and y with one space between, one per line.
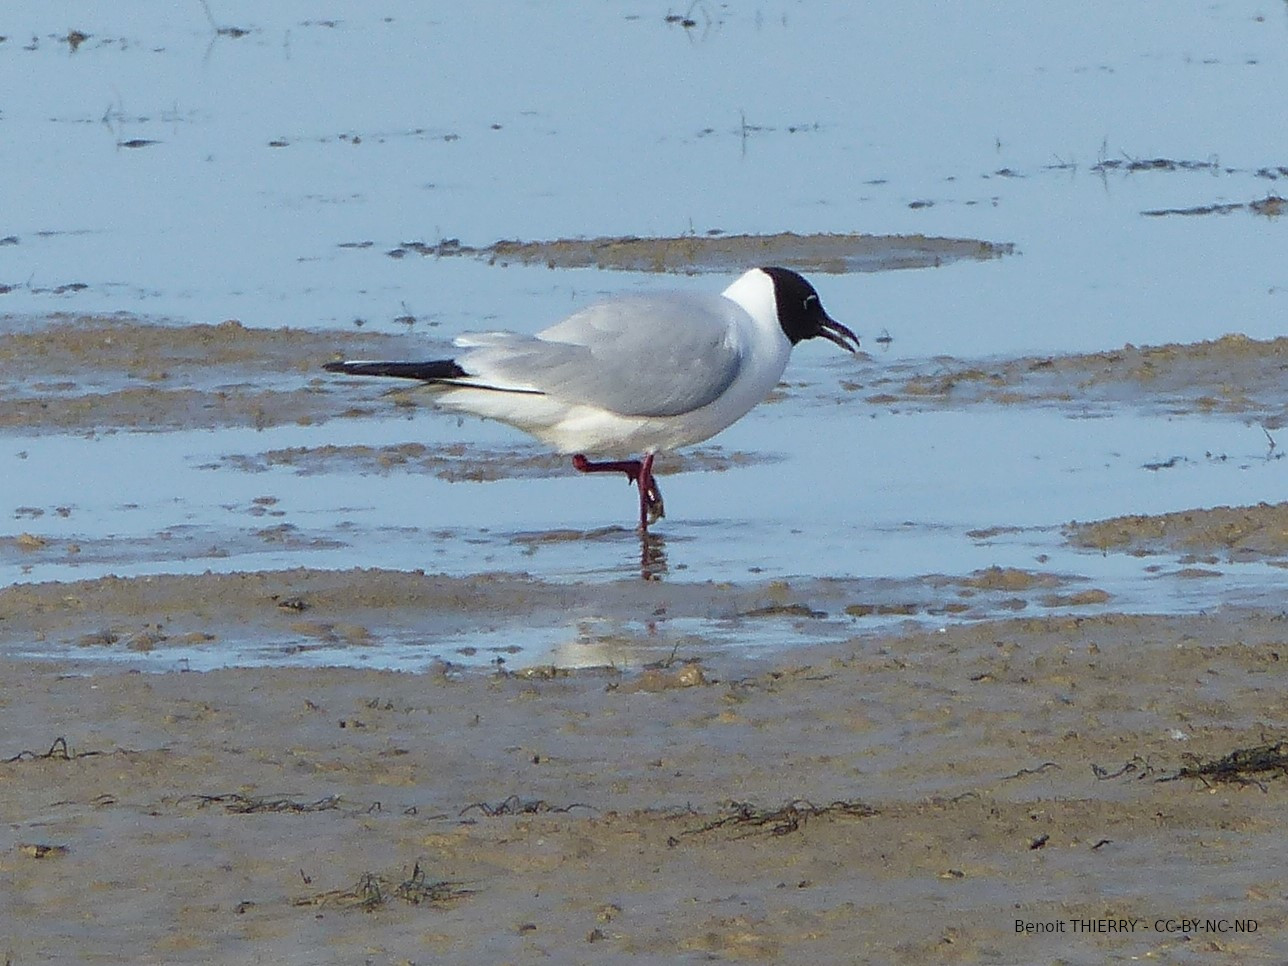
429 371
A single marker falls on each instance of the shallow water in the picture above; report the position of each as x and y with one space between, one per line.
169 169
883 513
277 151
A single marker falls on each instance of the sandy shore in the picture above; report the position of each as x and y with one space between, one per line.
732 810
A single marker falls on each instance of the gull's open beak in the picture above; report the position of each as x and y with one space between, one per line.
834 331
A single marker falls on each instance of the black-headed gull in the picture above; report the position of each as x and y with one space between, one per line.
632 374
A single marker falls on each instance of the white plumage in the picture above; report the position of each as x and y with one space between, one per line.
636 373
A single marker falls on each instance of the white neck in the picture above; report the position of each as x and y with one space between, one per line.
754 291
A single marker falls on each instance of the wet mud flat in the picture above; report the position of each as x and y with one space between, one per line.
100 373
351 617
462 461
104 373
1213 535
1232 375
717 251
832 805
858 789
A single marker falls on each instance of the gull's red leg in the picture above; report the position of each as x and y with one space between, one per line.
651 508
639 473
630 467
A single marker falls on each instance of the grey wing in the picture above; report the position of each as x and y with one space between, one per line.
657 355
